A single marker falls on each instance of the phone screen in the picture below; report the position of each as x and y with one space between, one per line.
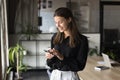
46 50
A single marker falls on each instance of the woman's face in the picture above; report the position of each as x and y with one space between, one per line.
61 23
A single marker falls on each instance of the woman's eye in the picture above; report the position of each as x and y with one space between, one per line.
59 22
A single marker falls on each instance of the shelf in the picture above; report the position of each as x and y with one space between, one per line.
36 55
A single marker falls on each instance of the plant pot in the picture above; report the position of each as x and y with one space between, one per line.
11 75
20 78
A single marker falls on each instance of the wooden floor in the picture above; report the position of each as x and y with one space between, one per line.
89 73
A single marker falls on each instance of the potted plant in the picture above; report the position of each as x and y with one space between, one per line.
93 51
28 31
111 54
16 55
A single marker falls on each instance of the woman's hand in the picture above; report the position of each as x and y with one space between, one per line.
49 55
52 52
57 53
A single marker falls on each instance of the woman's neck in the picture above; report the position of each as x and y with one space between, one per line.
66 34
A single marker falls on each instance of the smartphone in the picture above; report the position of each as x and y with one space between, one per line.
48 51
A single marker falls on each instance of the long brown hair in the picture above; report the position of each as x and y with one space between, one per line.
74 32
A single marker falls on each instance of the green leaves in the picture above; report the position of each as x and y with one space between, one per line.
9 69
93 51
111 55
22 67
13 53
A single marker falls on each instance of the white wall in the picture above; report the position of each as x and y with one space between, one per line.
94 40
94 15
55 4
47 14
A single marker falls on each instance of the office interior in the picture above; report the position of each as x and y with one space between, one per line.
30 23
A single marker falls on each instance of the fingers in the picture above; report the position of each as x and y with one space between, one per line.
49 56
55 52
52 52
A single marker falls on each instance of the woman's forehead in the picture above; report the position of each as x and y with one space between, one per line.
59 18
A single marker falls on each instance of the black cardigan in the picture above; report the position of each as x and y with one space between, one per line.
74 58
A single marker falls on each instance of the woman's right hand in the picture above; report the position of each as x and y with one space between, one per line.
49 55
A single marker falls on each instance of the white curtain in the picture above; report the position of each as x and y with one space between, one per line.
27 14
3 36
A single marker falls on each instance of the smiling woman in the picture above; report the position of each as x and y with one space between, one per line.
69 47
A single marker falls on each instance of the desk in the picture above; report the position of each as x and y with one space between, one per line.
90 74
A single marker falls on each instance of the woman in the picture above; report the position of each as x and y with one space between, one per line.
69 48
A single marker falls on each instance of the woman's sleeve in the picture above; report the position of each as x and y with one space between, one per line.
78 63
83 53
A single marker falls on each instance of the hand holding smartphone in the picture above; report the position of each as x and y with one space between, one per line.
48 51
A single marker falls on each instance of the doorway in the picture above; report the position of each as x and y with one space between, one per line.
109 25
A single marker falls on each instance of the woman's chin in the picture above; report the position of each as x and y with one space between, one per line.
61 31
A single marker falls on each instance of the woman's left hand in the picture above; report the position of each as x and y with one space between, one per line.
58 54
